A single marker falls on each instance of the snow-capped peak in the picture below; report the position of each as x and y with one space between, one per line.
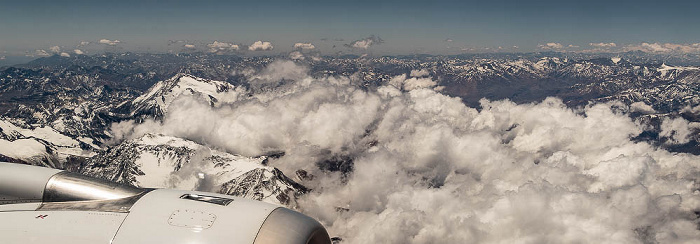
666 69
157 99
162 161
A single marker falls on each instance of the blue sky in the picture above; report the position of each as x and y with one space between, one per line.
405 26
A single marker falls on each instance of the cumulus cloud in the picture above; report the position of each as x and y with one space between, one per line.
189 46
64 54
305 46
690 109
426 168
420 73
278 72
109 42
678 130
641 107
603 45
171 42
40 53
550 46
366 42
664 48
55 49
83 43
260 46
413 83
296 55
222 47
78 51
2 57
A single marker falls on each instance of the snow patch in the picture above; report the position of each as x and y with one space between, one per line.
22 148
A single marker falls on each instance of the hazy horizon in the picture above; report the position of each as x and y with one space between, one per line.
42 28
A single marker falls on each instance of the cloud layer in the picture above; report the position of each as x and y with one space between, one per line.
425 168
364 44
665 48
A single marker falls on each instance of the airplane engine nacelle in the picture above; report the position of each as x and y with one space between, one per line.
42 205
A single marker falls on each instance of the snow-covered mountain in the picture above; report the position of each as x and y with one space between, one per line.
159 161
40 145
148 161
154 102
576 81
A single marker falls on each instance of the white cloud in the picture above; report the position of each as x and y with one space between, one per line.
189 46
419 73
418 83
678 130
171 42
2 57
551 45
260 46
428 169
641 107
55 49
693 110
84 43
664 48
78 51
277 72
366 42
222 47
40 53
305 46
64 54
109 42
413 83
296 55
603 45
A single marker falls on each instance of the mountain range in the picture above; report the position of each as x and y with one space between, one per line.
58 111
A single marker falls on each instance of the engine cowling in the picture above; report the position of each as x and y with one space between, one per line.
41 205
